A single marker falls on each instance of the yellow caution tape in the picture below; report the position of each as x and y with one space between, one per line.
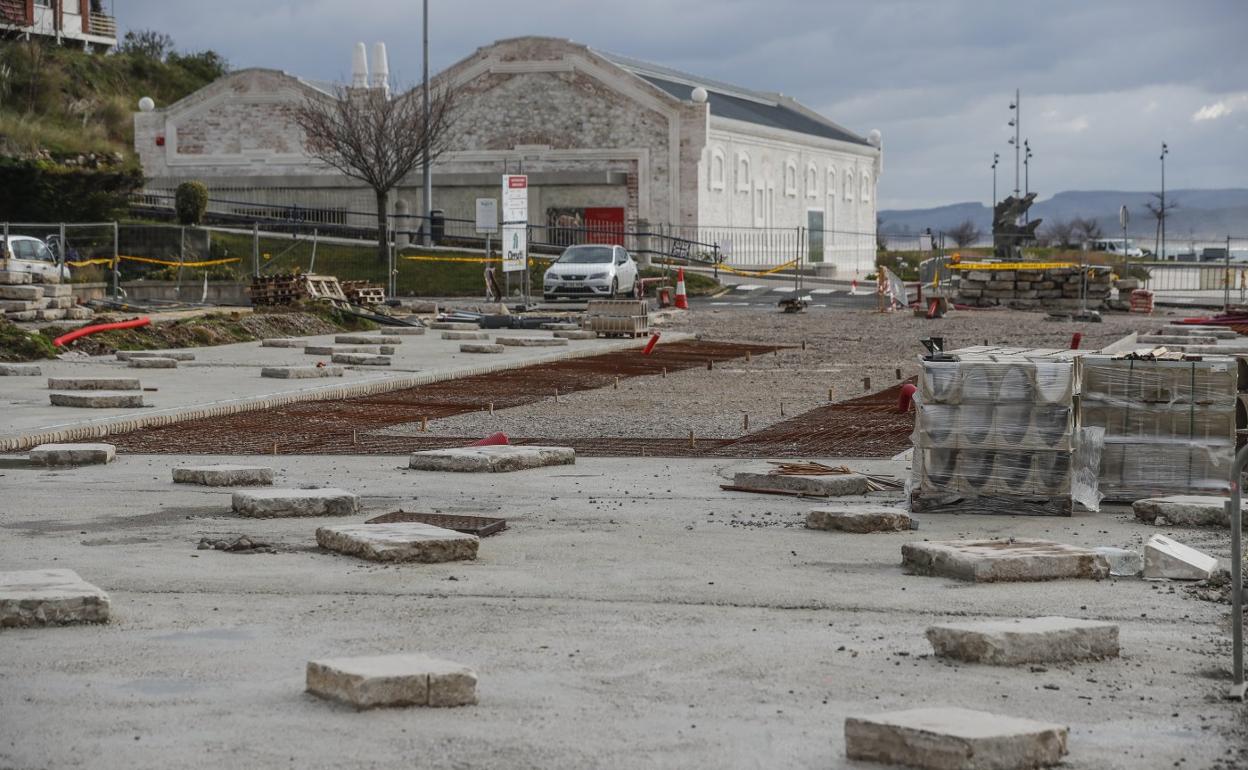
758 273
98 261
470 260
204 263
1012 265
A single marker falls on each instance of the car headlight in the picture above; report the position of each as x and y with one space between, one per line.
597 276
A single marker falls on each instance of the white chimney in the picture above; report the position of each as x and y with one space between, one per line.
381 69
359 67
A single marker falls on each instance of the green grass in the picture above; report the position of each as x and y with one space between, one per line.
16 344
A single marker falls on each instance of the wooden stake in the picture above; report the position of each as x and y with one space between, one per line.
274 447
803 344
665 372
424 424
710 365
866 383
829 394
747 356
745 423
899 373
617 383
556 395
691 442
781 408
491 408
354 438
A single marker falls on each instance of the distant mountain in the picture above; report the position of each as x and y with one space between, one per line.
1201 214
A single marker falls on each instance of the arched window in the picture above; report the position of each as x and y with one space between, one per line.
830 214
812 181
848 185
743 172
717 169
866 187
790 177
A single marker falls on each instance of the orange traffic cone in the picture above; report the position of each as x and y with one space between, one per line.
682 299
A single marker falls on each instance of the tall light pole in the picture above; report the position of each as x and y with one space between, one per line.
1016 123
1161 251
995 159
427 172
1026 173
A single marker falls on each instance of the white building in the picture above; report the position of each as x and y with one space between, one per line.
83 23
608 142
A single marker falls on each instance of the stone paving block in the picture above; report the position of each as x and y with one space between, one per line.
579 334
392 680
14 277
850 520
49 597
1167 558
58 290
20 370
177 355
79 313
531 342
465 335
224 475
153 363
300 372
987 561
18 305
73 454
361 359
405 541
283 342
25 315
560 326
819 486
1030 640
265 503
480 347
49 314
97 399
64 303
1123 562
457 326
94 383
329 350
368 339
491 459
1197 510
27 292
955 739
406 331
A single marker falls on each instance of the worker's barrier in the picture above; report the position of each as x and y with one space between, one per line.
152 261
65 339
758 273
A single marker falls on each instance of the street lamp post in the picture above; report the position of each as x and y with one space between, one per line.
1016 123
995 159
427 172
1161 250
1026 173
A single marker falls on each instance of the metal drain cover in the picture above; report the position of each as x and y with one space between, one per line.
481 526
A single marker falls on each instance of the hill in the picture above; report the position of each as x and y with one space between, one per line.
1200 214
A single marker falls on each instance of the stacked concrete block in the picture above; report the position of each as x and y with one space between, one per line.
1052 288
31 297
997 434
1169 425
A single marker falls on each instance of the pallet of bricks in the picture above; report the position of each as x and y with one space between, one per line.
995 433
294 287
363 293
1169 422
26 296
618 317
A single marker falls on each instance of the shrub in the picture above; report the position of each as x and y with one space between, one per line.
191 201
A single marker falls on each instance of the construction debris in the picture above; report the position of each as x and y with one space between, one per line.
1030 640
240 544
392 680
859 521
49 597
289 288
948 738
1170 559
1016 560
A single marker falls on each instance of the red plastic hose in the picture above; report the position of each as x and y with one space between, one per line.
654 340
85 330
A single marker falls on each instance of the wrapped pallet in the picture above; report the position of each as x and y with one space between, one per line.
996 434
1169 424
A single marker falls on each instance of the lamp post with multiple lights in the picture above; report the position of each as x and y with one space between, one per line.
1016 121
1026 173
1161 249
428 180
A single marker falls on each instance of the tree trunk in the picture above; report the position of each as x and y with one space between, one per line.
383 228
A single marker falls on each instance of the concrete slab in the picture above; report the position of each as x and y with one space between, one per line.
1195 510
360 359
224 475
531 342
153 363
300 372
329 350
465 335
368 339
392 680
759 476
94 383
985 561
20 370
480 347
1192 330
1123 562
955 739
579 334
1176 339
97 399
1167 558
73 454
49 597
491 459
1030 640
858 521
27 292
406 331
283 342
177 355
265 503
406 541
458 326
561 327
14 277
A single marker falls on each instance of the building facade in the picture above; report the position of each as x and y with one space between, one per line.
608 143
82 23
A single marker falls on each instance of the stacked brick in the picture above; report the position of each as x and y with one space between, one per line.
1058 288
23 300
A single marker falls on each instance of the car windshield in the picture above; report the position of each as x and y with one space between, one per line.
586 255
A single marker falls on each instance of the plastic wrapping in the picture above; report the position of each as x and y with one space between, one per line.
999 436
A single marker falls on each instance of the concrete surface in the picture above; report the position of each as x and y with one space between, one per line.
49 597
1013 559
859 520
491 459
72 454
224 475
633 615
392 680
955 739
264 503
1028 640
397 542
1168 558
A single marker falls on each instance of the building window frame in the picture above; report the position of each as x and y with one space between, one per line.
812 181
716 177
744 178
790 178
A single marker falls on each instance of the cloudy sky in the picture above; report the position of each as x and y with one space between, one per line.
1104 82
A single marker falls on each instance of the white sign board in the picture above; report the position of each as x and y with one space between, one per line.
515 222
487 215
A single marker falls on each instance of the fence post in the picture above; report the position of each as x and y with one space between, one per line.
116 261
1226 277
255 249
312 262
64 251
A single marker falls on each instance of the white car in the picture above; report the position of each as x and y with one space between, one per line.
25 254
591 270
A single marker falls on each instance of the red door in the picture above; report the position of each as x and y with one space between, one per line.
604 225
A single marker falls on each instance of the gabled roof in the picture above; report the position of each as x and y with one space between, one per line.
736 103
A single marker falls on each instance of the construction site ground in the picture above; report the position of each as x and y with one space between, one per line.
633 613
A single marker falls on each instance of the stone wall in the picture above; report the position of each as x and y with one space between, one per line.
1054 288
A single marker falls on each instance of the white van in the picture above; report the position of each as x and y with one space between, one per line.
25 254
1115 246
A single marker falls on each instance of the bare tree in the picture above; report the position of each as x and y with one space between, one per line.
1160 214
1086 228
377 139
965 234
1060 233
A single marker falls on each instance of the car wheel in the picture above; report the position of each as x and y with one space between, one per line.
615 288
